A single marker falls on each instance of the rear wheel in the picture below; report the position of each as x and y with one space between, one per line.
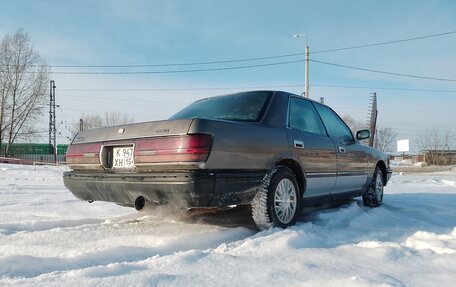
374 194
277 202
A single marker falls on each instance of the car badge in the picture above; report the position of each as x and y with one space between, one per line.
121 131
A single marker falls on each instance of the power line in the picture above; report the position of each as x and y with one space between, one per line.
384 43
253 66
180 64
181 89
385 88
111 100
387 110
256 87
253 59
153 103
33 132
171 71
385 72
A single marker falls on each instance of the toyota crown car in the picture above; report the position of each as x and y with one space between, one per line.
273 151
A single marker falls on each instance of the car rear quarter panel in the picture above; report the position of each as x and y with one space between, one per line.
243 146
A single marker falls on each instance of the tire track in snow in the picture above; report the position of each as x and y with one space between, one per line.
178 237
12 228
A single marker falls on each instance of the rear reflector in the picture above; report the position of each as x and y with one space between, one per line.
187 148
83 154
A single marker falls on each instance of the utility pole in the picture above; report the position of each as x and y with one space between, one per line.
52 129
307 71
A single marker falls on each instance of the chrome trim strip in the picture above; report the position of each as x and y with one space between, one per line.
320 174
351 173
333 174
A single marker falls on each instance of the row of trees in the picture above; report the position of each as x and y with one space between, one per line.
24 81
435 144
106 120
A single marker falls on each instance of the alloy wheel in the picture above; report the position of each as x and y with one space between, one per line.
285 201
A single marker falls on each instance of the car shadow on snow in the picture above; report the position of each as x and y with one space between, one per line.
241 216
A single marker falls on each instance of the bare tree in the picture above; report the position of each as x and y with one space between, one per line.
115 118
385 139
24 78
434 144
353 124
97 121
92 122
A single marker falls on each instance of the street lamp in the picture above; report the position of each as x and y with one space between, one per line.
306 71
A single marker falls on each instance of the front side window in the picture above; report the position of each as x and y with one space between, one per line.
249 106
334 124
303 117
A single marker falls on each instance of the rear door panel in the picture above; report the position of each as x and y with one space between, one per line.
308 139
318 158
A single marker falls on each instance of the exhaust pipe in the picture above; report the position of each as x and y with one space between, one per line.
139 203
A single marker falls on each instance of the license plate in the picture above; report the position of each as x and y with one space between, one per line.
123 157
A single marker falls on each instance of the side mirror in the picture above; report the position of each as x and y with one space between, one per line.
363 135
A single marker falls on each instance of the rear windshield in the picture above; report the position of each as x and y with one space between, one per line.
249 106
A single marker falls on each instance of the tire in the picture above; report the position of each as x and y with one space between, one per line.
373 197
277 202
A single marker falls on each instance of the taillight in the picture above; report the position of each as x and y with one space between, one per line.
188 148
83 153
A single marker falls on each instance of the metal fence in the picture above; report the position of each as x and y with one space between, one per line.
31 153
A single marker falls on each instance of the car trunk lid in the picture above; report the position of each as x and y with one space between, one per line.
139 147
134 131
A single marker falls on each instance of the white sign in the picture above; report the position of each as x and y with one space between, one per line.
403 146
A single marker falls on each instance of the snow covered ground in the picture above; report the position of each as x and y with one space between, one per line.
49 238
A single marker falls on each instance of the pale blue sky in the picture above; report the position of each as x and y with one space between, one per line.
162 32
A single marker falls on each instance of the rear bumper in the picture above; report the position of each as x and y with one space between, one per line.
185 189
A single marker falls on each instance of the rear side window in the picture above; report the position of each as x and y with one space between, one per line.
304 117
249 106
334 124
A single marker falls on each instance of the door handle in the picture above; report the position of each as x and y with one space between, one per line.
298 144
342 149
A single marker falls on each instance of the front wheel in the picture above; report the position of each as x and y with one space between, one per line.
374 194
277 202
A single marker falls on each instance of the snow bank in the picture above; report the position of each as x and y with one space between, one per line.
439 243
402 162
49 238
420 164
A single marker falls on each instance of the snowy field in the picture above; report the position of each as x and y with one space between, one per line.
49 238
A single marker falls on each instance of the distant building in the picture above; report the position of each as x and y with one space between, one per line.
440 157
